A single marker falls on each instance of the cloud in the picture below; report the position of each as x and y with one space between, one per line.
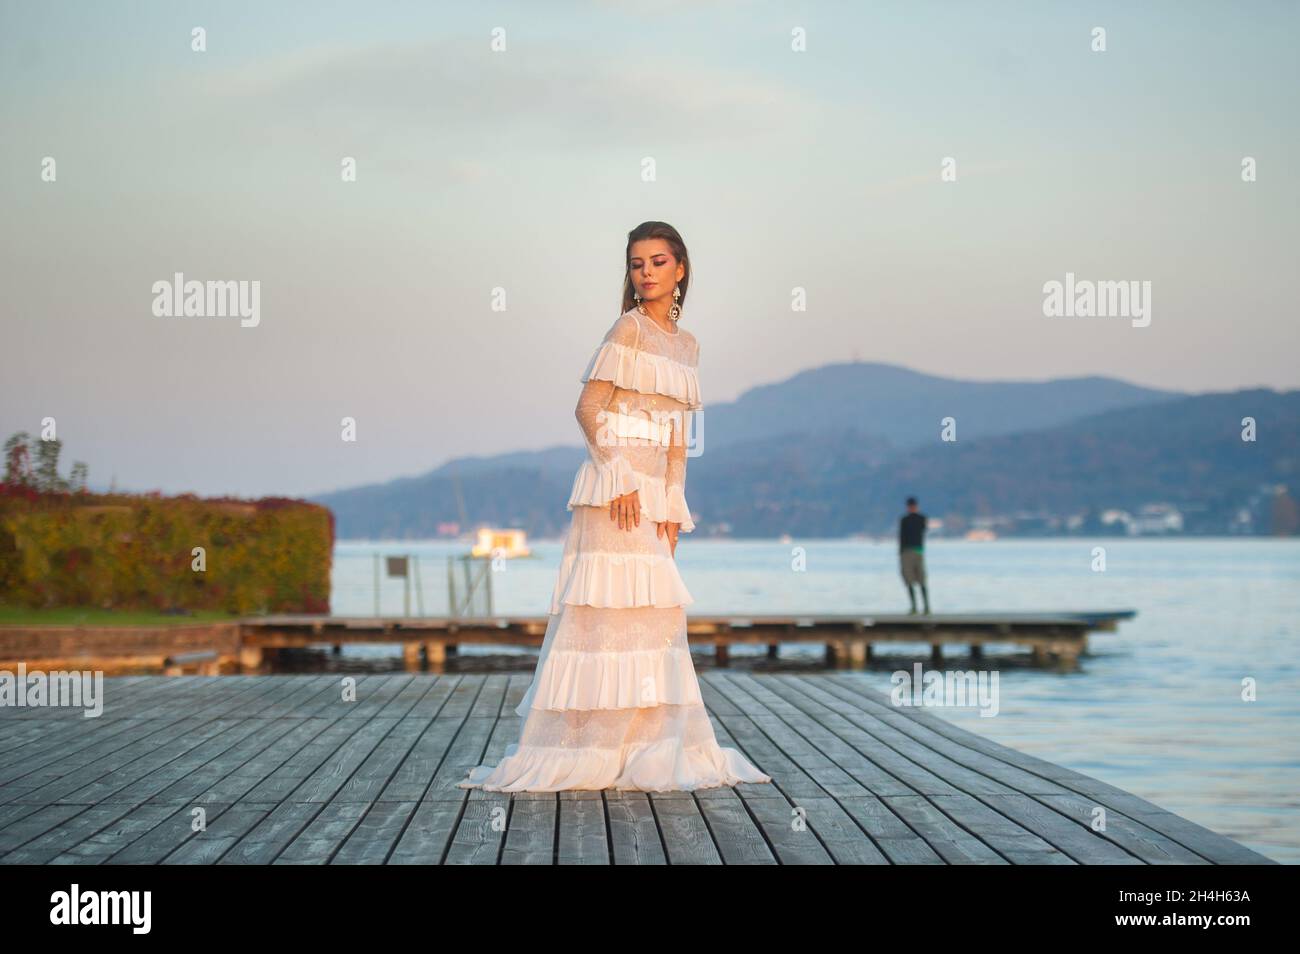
536 96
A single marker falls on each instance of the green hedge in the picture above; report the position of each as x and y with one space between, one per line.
134 551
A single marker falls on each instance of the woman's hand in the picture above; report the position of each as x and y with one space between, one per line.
626 510
671 529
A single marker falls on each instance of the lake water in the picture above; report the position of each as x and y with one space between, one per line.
1155 708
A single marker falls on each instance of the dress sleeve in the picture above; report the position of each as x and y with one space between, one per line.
615 476
675 476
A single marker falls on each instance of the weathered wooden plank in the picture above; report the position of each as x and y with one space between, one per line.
123 821
288 772
371 778
889 832
346 719
212 789
481 832
530 829
583 836
149 755
633 831
1013 842
21 726
993 783
49 785
36 824
1054 784
191 775
225 828
941 834
784 824
66 733
972 777
111 749
685 833
194 791
737 837
368 729
373 837
145 835
95 738
235 781
912 768
424 839
262 843
470 744
445 706
321 838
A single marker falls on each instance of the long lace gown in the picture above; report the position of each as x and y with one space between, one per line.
615 701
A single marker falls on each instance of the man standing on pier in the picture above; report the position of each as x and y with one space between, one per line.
911 553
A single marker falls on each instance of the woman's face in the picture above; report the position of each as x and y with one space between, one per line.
653 270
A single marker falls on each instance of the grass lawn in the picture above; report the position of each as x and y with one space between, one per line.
88 616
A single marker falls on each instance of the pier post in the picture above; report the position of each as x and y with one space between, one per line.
250 659
837 653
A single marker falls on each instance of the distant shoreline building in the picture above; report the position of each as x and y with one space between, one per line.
1153 519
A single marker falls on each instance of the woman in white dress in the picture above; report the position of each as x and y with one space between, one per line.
615 701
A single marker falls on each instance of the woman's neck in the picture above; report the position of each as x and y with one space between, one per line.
653 313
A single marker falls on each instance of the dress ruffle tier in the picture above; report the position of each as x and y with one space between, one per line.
619 580
664 766
619 679
644 371
596 485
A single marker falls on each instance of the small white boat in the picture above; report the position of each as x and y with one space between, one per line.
493 541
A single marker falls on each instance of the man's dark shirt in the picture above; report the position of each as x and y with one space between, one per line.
911 531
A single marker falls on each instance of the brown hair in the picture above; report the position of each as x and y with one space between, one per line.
655 230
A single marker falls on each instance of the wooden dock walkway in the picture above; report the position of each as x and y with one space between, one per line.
849 638
287 772
250 646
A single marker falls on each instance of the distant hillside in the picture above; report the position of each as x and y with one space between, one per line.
1187 452
828 452
905 407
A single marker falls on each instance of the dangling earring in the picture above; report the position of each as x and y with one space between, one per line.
676 310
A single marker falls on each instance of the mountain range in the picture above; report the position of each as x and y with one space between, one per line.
835 450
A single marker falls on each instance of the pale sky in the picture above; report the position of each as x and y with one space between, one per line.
522 170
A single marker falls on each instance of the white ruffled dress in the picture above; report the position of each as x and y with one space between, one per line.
615 701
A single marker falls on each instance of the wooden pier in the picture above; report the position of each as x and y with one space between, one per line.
248 646
1056 638
286 771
